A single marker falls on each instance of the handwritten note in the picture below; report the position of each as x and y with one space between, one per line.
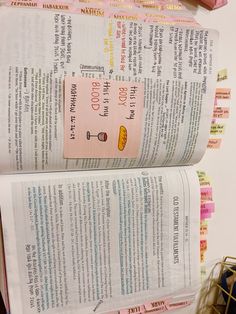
222 75
139 309
217 128
214 143
206 195
223 93
156 305
103 118
221 112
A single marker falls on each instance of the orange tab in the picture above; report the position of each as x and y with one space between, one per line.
214 143
223 93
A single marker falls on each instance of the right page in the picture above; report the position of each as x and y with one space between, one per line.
78 243
86 92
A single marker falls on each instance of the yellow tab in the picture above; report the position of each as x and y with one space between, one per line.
201 174
205 181
222 75
202 256
217 128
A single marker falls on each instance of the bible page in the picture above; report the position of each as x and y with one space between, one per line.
92 242
58 108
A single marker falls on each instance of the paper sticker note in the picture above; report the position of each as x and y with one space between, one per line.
203 245
206 194
221 112
103 118
160 305
204 181
223 93
217 128
202 257
178 305
208 207
214 143
222 75
139 309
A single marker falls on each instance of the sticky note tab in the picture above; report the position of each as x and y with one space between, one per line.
203 245
217 128
204 224
156 305
214 143
139 309
221 112
222 75
157 311
178 305
206 215
201 174
223 93
204 229
208 207
204 181
206 194
202 256
103 118
203 233
203 270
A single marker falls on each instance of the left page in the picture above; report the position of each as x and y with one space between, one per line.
136 95
93 242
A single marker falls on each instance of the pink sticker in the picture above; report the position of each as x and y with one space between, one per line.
178 305
159 310
140 309
205 216
210 207
103 118
206 190
156 305
221 112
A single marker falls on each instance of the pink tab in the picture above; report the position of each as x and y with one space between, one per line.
210 207
206 193
155 305
206 190
178 305
139 309
205 216
157 311
221 112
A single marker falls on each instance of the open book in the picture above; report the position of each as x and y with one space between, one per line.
81 92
